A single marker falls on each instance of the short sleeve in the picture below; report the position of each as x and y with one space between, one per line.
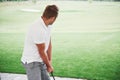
38 36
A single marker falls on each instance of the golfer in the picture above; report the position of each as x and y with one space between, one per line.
37 52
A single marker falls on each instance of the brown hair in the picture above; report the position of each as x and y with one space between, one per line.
50 11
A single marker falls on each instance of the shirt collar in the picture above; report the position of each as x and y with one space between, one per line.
43 23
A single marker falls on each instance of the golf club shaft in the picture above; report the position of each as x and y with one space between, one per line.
52 75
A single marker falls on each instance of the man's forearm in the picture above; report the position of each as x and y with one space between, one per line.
41 50
45 59
49 51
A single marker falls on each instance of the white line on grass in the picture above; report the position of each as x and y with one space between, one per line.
106 38
30 10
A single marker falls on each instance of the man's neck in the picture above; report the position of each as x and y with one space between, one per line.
45 21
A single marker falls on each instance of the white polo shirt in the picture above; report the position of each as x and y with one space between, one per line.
38 33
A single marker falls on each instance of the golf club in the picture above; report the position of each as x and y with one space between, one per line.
52 75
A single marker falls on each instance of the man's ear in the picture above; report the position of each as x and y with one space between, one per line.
52 18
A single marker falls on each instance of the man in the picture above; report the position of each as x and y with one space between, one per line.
37 52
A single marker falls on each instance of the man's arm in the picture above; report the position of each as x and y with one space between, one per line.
49 51
41 49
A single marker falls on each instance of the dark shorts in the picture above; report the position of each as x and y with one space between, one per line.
36 71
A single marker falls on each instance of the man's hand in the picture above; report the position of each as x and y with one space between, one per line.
50 69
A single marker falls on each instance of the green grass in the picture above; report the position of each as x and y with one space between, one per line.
86 41
88 57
